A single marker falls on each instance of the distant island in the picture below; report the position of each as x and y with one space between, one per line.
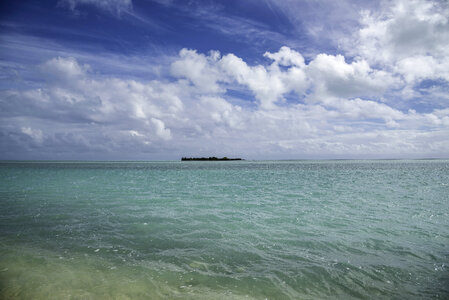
210 158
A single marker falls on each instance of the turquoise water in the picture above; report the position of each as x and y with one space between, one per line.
224 230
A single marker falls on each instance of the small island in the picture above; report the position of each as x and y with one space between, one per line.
213 158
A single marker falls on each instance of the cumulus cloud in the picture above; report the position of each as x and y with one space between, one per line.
221 112
161 131
410 38
73 98
384 93
35 134
405 29
76 110
66 67
286 57
266 87
331 105
326 75
206 72
418 68
211 74
64 71
333 76
199 69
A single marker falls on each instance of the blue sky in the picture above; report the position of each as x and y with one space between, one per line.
161 79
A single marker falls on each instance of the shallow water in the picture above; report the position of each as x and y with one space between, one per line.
224 230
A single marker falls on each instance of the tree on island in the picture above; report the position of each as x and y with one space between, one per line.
213 158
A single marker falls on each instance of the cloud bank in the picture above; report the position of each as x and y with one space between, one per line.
362 103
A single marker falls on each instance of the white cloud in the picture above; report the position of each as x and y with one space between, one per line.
199 69
99 114
328 76
339 104
332 76
221 112
35 134
286 57
66 69
267 84
417 68
404 29
112 6
134 133
364 109
161 131
267 88
410 37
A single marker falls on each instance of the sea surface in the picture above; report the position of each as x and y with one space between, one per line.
225 230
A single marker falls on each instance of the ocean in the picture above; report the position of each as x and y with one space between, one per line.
330 229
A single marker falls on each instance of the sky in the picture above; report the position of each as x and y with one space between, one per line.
256 79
